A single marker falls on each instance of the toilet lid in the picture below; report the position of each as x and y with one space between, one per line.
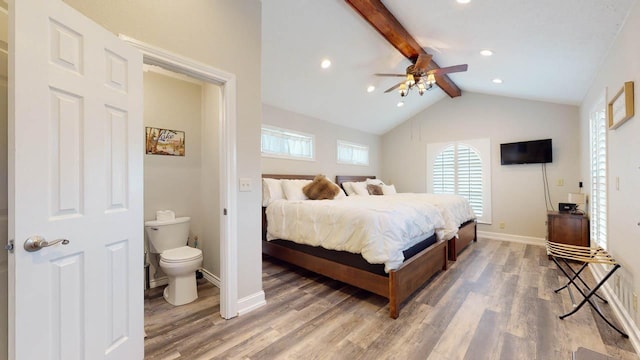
184 253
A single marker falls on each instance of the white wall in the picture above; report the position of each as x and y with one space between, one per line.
621 64
517 190
326 137
224 34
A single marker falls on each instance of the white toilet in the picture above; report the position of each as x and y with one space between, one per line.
178 261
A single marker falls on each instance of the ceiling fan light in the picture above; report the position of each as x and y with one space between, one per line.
410 80
431 79
403 89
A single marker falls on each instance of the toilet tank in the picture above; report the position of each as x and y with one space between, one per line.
165 235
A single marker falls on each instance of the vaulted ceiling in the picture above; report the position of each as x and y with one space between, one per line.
545 50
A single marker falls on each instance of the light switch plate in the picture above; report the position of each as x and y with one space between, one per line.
245 184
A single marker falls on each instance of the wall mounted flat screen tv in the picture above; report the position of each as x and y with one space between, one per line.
526 152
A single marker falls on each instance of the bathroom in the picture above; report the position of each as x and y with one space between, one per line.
185 184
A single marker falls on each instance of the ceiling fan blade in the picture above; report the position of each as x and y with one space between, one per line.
394 87
376 14
449 69
422 64
394 75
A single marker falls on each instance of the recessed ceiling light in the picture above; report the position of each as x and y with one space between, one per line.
463 1
401 104
486 52
371 88
497 81
325 63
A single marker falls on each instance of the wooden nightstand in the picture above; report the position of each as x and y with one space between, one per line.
567 228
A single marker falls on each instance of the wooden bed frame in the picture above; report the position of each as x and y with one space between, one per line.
466 233
396 286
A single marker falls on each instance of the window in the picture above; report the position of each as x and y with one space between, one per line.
283 143
351 153
462 168
598 145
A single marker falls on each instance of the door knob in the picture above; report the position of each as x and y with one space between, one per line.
38 242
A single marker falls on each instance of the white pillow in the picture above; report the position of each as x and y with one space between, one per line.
374 182
360 188
341 195
271 191
348 188
293 189
388 189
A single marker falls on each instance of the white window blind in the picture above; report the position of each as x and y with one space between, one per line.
284 143
352 153
458 170
462 168
598 206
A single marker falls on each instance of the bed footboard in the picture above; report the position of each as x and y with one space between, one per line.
414 273
466 234
396 287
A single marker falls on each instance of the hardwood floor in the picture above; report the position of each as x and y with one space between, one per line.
495 302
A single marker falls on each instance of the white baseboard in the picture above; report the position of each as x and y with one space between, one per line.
251 302
211 278
530 240
621 313
161 281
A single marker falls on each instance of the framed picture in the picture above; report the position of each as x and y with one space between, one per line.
164 142
620 108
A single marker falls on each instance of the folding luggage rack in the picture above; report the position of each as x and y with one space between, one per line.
585 255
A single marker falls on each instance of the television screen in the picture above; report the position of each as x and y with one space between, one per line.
526 152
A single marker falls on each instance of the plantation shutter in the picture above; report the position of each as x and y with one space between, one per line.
470 177
458 170
598 208
444 172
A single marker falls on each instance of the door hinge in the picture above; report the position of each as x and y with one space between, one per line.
9 246
225 211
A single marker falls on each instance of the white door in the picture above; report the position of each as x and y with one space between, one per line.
75 172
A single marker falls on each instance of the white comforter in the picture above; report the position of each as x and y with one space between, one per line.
455 209
378 227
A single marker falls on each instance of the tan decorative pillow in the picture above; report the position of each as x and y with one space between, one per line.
374 189
321 188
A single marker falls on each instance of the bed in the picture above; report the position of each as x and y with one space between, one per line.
424 259
461 230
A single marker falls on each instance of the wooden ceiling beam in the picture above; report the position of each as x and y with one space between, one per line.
376 14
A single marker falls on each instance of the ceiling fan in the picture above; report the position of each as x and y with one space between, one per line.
424 72
419 76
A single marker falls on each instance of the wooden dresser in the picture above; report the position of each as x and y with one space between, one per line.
567 228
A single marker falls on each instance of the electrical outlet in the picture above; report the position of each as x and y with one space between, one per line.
501 225
635 302
245 184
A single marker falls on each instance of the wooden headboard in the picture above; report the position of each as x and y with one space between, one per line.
294 177
355 178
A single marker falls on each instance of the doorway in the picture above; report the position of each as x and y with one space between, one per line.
226 98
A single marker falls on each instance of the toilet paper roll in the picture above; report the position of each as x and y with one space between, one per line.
165 215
